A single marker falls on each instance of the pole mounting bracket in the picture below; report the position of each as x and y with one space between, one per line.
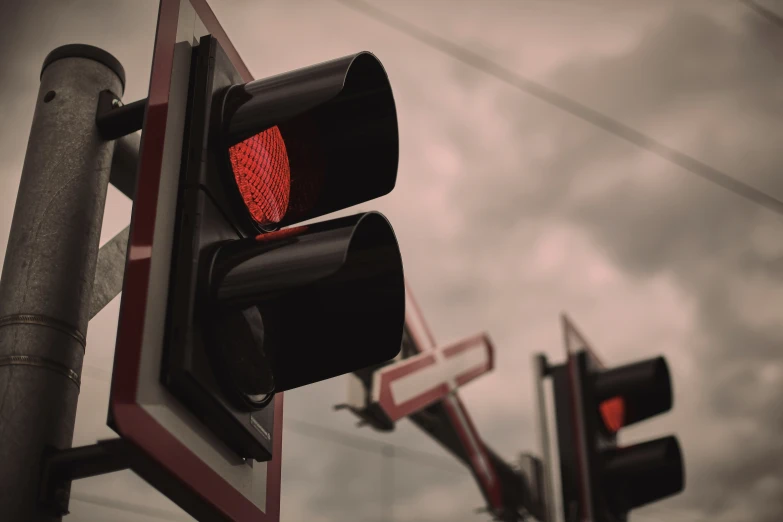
60 467
115 120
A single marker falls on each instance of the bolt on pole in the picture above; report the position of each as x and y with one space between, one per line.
47 278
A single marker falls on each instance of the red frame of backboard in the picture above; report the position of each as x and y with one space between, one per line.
129 418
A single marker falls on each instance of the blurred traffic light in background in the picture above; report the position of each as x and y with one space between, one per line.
256 308
602 480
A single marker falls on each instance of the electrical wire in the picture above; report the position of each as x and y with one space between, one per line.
583 112
671 513
387 484
357 442
129 507
762 11
390 452
362 443
653 518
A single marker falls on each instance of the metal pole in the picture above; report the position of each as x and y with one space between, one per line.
540 371
47 279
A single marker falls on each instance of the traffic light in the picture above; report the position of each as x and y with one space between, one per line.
258 306
601 480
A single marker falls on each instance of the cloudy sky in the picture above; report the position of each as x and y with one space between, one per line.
508 211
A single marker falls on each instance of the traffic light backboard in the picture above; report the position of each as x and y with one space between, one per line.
229 299
602 480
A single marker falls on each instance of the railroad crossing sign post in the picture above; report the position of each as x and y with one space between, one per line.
422 385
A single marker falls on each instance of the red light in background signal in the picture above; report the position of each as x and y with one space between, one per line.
263 175
613 413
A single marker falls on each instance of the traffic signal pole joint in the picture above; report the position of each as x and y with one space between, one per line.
115 120
61 467
47 278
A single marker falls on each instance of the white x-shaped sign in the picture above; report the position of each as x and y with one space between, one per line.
412 384
467 366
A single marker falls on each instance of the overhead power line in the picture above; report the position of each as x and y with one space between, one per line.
770 15
130 507
359 442
568 105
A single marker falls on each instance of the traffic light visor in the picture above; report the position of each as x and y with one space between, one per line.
312 141
645 472
644 388
307 303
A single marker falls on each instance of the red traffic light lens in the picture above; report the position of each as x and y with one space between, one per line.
263 175
613 413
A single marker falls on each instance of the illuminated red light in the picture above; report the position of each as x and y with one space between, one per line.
613 413
263 175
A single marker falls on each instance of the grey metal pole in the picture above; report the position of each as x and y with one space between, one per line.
47 279
540 371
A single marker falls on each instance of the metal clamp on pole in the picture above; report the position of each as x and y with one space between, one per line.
60 467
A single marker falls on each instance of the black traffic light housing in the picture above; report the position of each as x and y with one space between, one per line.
255 308
600 479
